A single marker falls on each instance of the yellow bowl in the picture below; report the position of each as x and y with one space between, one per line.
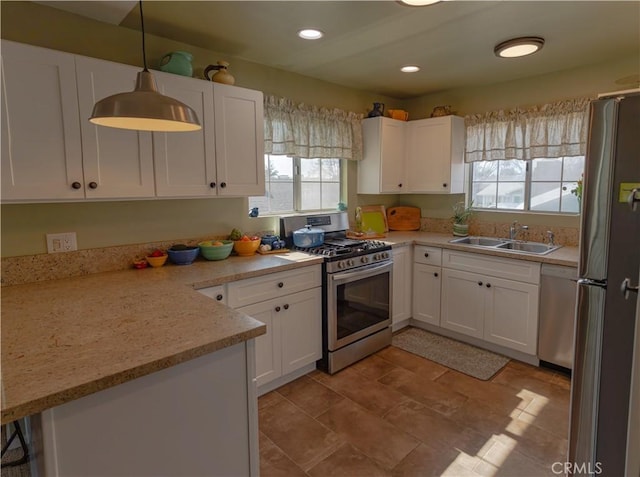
245 248
157 261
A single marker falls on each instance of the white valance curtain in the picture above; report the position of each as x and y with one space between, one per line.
548 131
300 130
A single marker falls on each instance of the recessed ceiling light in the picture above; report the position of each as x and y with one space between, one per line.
310 34
410 69
519 47
419 3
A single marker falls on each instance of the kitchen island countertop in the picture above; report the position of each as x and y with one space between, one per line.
64 339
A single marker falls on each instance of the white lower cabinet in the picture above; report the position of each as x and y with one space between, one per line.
290 304
426 293
402 271
488 306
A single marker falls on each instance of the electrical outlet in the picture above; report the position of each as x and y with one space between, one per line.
65 242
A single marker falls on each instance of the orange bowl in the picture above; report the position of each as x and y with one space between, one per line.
245 248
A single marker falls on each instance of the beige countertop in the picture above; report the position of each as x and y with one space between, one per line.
64 339
563 256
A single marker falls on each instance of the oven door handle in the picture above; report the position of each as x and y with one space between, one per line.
362 272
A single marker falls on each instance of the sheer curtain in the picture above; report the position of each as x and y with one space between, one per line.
552 130
300 130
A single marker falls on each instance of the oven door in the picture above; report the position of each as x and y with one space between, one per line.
358 303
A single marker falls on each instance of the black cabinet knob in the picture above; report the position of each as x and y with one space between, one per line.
435 274
444 185
223 184
399 185
219 297
280 284
277 308
480 283
76 185
286 306
488 285
426 254
212 185
93 185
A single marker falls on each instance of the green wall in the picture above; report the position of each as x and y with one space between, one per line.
100 224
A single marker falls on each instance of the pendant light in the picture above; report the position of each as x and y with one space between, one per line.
144 109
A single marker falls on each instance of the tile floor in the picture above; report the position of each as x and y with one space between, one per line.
397 414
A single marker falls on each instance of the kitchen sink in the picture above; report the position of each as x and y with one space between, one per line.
479 241
529 247
537 248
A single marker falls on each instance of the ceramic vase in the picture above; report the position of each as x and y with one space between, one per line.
378 110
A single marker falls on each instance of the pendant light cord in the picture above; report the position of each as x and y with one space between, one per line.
144 52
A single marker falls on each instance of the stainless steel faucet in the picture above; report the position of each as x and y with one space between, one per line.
515 228
551 236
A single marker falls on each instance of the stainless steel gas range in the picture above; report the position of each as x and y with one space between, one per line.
357 294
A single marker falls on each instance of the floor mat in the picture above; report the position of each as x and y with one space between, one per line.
467 359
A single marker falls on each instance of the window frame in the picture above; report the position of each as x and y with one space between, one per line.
528 182
297 186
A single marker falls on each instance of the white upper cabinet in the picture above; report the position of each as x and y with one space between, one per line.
185 163
435 155
239 132
41 146
423 156
51 152
382 169
118 163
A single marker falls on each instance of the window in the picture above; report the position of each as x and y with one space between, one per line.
541 185
294 184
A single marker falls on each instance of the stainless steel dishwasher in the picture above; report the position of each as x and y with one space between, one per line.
557 314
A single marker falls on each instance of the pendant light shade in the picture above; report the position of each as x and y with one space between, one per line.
144 109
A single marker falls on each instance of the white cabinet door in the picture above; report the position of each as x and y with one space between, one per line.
118 163
382 169
511 318
463 302
185 163
268 346
301 328
435 161
41 145
426 293
402 279
239 131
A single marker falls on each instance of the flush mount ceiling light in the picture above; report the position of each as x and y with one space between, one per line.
144 109
410 69
310 34
419 3
519 47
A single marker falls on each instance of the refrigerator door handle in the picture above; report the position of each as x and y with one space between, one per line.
626 287
593 283
633 199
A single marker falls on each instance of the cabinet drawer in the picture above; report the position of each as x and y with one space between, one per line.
218 293
507 268
254 290
427 255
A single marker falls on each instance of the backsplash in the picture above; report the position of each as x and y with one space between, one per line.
53 266
568 236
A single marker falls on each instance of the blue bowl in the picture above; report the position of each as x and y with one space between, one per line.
183 256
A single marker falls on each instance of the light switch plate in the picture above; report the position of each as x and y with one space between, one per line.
64 242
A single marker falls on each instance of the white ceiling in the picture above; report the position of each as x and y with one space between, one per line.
366 42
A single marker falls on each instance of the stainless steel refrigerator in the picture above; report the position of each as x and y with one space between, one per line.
608 288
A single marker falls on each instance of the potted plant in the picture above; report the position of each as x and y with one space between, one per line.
461 215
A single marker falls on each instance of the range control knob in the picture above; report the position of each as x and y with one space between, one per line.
341 265
350 263
364 259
